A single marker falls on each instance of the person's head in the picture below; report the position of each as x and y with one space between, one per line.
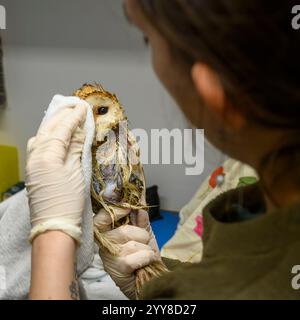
233 67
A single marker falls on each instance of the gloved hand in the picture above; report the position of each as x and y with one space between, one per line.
138 248
54 177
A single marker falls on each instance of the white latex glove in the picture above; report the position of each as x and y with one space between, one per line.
138 248
54 177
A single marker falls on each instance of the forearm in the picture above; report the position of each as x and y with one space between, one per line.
53 274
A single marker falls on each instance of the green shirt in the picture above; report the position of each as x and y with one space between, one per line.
242 259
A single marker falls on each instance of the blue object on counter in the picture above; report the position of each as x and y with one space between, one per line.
165 228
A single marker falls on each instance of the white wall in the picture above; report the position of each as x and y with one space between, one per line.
34 75
54 46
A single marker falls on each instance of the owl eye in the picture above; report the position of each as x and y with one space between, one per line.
102 110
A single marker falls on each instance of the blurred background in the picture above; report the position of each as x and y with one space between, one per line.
54 46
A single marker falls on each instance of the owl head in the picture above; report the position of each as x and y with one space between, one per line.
107 110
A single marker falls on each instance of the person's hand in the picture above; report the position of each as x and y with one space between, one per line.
138 248
54 177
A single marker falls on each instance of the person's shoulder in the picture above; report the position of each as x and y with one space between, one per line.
210 281
173 264
181 282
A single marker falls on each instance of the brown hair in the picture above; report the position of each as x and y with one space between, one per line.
250 44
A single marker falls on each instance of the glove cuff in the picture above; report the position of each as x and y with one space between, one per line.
57 224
